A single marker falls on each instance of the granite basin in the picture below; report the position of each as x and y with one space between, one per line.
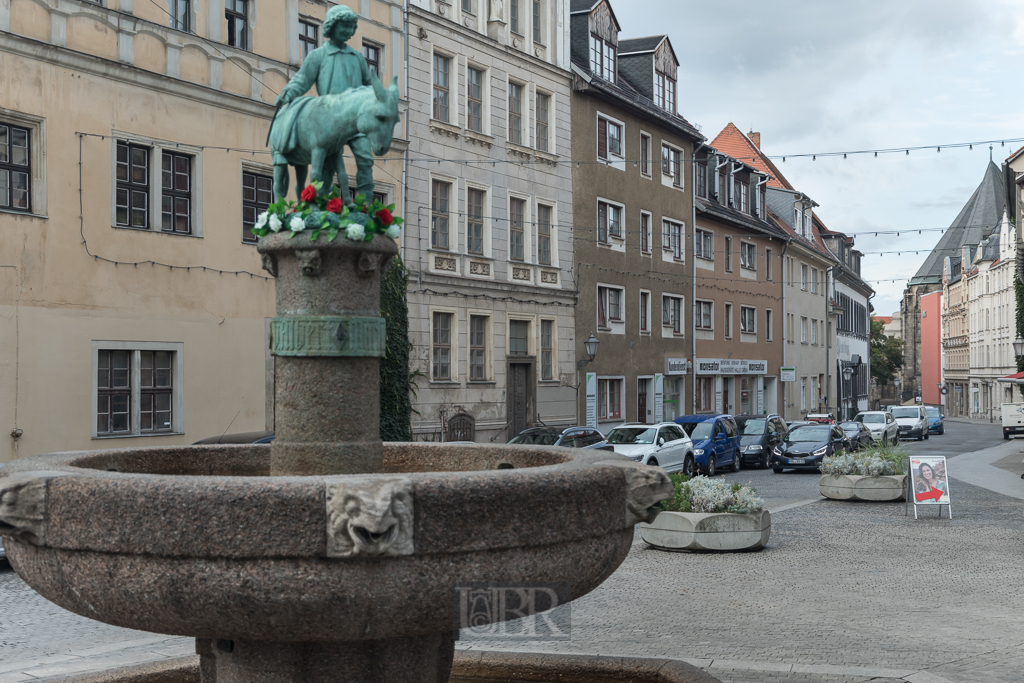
721 531
856 487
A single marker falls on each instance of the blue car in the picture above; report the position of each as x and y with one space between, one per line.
935 418
716 442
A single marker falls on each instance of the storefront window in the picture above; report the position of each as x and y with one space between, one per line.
673 404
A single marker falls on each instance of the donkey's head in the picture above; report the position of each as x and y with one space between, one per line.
377 121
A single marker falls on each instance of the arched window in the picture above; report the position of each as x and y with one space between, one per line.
462 427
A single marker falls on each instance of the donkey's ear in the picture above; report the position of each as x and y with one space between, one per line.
378 88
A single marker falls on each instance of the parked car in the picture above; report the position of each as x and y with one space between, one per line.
912 421
664 444
935 420
759 434
797 423
574 437
858 434
716 442
823 418
882 424
806 445
238 437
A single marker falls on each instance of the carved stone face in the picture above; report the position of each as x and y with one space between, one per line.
369 517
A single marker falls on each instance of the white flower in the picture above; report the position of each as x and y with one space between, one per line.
297 224
356 232
262 220
392 231
275 223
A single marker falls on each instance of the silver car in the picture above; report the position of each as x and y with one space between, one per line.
664 444
882 424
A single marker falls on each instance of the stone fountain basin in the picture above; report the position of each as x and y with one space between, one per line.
200 541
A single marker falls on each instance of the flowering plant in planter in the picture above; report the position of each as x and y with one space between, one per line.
318 211
702 494
875 461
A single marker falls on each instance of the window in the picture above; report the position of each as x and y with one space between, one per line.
475 99
536 23
645 312
814 331
469 6
609 221
803 330
442 69
609 139
257 194
515 113
645 154
519 337
237 14
645 232
543 106
16 172
177 193
442 347
671 164
544 235
475 221
439 195
181 14
748 320
516 221
672 313
728 254
547 349
803 277
477 348
602 58
814 280
728 321
704 245
309 38
609 306
748 256
703 315
135 388
803 394
513 17
132 194
722 195
702 179
798 221
372 53
665 92
768 325
744 198
762 195
705 394
609 399
768 264
672 238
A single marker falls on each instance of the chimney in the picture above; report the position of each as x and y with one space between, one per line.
755 138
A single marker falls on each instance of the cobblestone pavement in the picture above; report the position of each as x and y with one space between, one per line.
844 593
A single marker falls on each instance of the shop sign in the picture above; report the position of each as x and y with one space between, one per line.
787 374
676 366
731 366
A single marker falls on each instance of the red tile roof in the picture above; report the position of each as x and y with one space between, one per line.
737 145
885 319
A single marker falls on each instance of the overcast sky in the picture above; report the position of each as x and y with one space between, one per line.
814 76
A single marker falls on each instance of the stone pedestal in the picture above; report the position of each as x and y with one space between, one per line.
327 338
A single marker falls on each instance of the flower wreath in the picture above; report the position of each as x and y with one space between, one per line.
324 211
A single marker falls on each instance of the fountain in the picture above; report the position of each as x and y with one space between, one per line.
327 555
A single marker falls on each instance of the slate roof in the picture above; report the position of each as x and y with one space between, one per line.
979 217
576 6
744 220
636 45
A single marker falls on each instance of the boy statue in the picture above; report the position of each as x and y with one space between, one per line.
335 68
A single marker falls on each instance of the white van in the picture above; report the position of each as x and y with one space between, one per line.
912 421
1013 419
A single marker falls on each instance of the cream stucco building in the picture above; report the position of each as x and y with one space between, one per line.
132 150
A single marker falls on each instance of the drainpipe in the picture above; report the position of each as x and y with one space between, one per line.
405 152
785 320
693 269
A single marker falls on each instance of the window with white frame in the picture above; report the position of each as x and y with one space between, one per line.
748 255
547 349
475 99
672 313
803 394
441 346
609 306
544 234
476 199
665 91
542 128
602 58
514 20
609 399
703 315
672 238
803 276
645 312
645 232
609 139
137 388
727 326
538 29
814 331
442 72
704 245
748 319
609 221
803 329
440 193
645 154
516 228
671 164
515 113
478 348
744 197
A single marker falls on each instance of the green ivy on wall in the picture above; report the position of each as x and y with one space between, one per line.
395 404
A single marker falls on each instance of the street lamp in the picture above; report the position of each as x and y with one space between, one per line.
1018 347
847 376
591 348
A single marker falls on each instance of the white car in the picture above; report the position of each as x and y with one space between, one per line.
664 444
882 424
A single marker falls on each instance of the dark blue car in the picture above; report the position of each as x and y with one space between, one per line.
935 418
716 442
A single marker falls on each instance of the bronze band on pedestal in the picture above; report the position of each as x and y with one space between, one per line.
328 335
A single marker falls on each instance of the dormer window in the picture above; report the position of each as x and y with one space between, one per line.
602 58
665 91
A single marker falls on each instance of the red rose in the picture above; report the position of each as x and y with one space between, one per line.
309 194
334 206
385 217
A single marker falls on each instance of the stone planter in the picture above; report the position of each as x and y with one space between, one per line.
856 487
708 531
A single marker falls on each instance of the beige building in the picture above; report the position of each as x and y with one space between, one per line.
955 337
132 152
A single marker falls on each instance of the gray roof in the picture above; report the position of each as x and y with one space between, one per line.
990 248
582 5
633 45
979 217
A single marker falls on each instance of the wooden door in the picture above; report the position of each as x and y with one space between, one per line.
518 397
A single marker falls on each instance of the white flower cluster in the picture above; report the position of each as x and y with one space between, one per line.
265 217
717 495
863 465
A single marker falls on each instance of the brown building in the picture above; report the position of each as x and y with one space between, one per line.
632 212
